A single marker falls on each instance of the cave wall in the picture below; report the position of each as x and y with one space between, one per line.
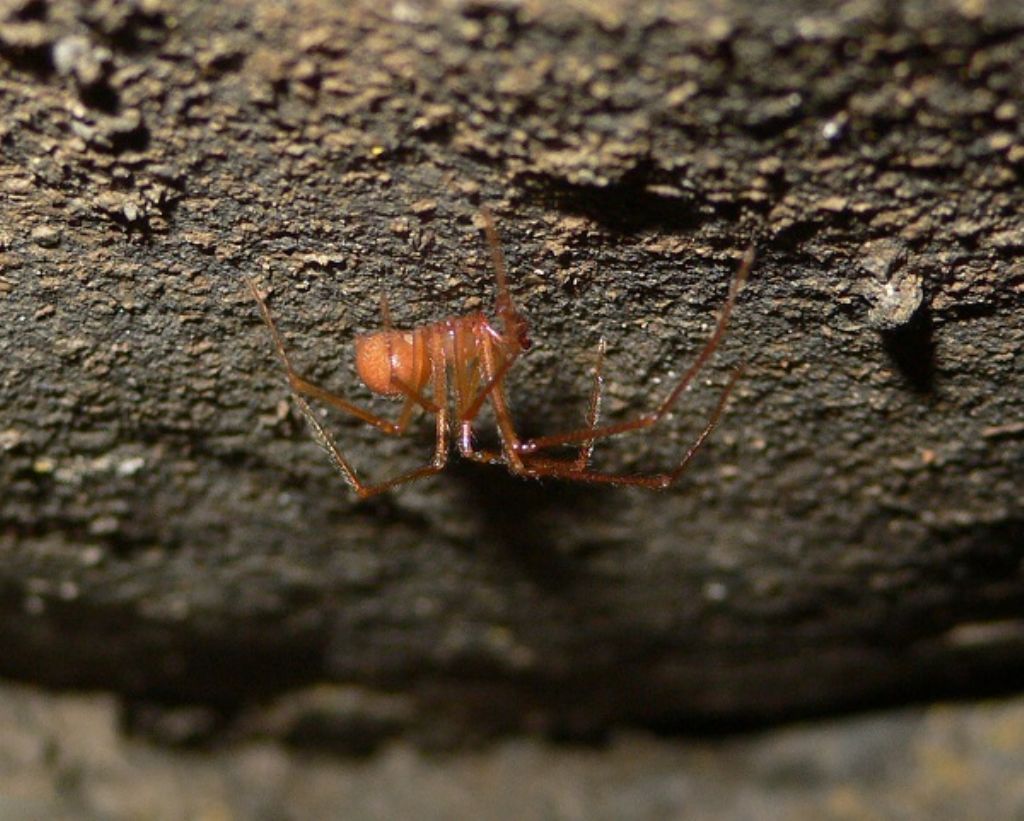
852 533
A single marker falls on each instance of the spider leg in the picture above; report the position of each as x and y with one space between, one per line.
504 304
651 418
526 464
493 388
304 387
471 410
514 339
344 467
490 374
538 467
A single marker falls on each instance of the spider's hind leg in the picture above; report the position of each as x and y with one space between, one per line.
344 467
301 386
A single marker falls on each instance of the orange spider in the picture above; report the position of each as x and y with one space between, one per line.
470 356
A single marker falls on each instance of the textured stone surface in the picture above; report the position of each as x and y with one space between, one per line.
63 758
854 533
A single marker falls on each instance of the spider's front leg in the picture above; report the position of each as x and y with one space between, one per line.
589 434
539 466
519 463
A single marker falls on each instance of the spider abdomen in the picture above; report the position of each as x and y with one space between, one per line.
388 360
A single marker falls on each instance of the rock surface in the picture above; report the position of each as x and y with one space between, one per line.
63 758
853 534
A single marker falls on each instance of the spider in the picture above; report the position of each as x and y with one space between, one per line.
453 367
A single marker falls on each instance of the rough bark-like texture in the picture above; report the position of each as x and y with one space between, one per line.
855 530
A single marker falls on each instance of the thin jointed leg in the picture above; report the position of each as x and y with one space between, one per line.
539 467
300 385
504 300
344 467
472 409
647 420
502 416
528 451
